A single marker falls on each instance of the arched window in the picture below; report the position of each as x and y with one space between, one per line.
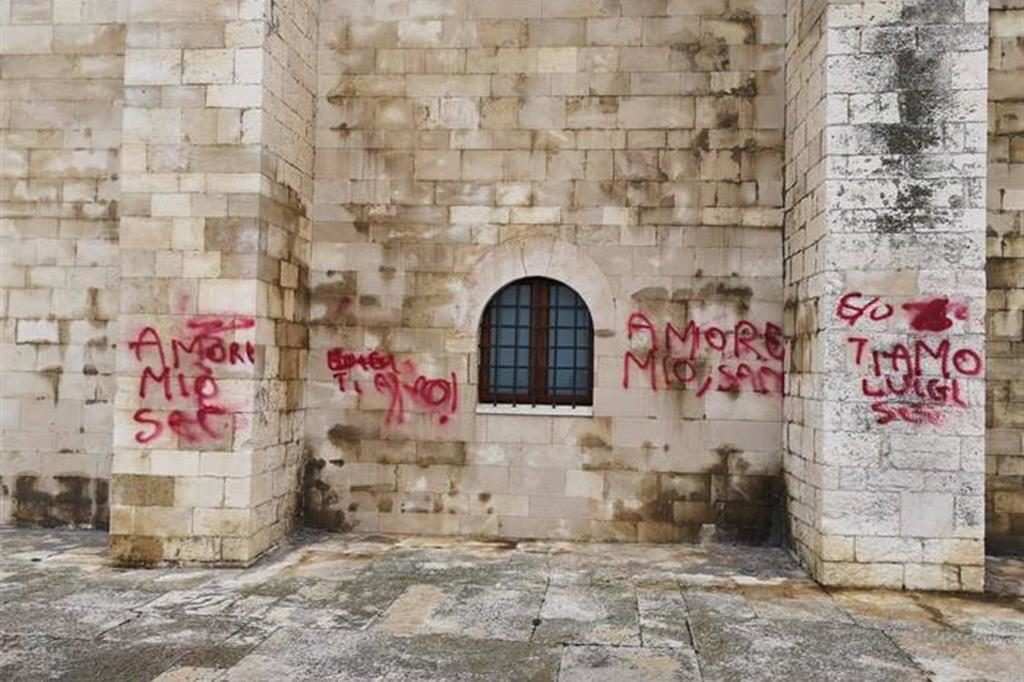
536 346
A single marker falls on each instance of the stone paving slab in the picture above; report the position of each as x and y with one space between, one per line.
343 607
663 616
291 654
759 649
625 664
40 658
589 614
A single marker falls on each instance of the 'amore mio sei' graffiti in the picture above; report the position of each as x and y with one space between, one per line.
182 374
399 382
915 381
746 356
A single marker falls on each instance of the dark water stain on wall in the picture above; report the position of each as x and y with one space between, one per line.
319 500
53 374
136 550
442 453
591 440
923 98
79 502
337 298
341 435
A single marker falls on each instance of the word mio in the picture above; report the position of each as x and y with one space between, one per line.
183 372
747 356
399 382
912 382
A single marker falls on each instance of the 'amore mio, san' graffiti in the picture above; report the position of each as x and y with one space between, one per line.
746 356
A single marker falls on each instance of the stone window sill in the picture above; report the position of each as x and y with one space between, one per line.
537 410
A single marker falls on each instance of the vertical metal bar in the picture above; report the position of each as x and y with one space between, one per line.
590 369
515 344
484 362
554 313
539 354
575 349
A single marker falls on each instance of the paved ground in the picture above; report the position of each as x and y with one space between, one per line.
397 608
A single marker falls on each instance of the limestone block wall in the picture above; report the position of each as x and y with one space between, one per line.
803 255
631 150
61 95
1004 347
896 462
287 116
211 246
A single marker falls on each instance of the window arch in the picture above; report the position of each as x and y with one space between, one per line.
536 346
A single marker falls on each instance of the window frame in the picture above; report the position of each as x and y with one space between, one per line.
537 392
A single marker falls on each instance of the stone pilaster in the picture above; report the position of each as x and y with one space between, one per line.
1004 343
206 454
885 454
286 192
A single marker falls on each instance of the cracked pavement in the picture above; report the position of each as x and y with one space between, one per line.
353 607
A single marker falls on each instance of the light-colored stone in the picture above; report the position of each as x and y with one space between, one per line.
365 176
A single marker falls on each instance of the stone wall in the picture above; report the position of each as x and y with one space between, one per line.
289 88
61 93
631 150
215 173
1004 481
803 253
232 193
892 471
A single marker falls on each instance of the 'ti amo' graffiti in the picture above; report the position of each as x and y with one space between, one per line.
915 381
400 382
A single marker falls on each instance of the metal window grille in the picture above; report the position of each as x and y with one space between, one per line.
536 346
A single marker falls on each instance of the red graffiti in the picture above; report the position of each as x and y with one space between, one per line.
399 382
933 315
921 358
339 361
912 413
752 356
184 371
647 364
850 309
929 315
922 375
912 382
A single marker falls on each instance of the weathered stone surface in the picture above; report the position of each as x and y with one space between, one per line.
754 650
264 182
663 616
372 607
869 246
575 146
589 614
1004 341
581 663
952 655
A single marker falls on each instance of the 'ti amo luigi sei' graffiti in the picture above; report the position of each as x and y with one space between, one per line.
916 381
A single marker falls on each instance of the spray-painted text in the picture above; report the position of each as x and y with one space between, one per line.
746 356
917 380
183 372
400 382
